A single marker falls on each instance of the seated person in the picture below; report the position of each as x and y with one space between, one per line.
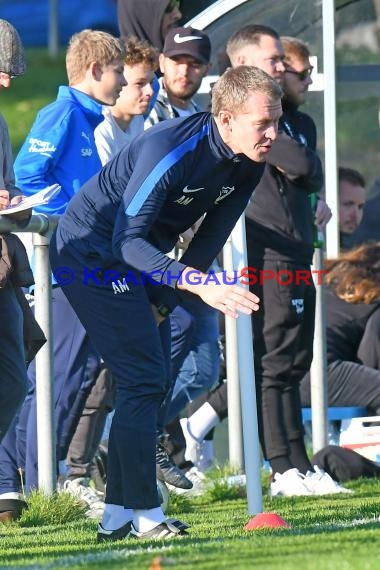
353 330
351 201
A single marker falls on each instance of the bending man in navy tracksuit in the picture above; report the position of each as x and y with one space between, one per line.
113 241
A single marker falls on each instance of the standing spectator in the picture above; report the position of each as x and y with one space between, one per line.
60 148
351 203
280 228
122 123
129 217
148 19
125 120
13 375
184 62
13 379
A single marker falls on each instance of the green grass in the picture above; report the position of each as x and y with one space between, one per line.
29 93
339 532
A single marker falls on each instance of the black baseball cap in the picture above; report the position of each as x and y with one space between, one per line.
188 41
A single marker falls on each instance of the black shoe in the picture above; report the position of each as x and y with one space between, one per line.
167 471
11 509
166 529
111 535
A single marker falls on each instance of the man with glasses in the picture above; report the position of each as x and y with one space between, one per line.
281 224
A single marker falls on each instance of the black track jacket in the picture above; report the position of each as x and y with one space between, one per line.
279 218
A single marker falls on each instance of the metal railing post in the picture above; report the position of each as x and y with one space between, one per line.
47 473
252 455
243 353
318 370
235 435
42 227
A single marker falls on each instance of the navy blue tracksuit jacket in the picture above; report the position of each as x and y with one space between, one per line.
127 217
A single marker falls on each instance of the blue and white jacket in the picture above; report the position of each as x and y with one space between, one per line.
60 148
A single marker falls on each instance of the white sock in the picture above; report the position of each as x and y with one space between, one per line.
202 421
146 519
12 495
115 516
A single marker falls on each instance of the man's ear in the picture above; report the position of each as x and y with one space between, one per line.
161 59
95 70
225 119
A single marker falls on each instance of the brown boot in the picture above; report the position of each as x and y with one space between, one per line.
11 509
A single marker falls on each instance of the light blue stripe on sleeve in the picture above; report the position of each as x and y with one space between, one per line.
165 163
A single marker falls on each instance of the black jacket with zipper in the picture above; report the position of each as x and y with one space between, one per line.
279 217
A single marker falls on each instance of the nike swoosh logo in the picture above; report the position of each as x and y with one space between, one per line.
180 40
188 190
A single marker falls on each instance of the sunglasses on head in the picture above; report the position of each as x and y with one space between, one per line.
173 4
302 75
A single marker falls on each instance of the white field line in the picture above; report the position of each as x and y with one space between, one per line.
93 557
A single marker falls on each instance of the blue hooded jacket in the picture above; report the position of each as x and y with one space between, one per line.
60 148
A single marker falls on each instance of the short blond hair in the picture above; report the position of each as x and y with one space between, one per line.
294 48
231 90
140 51
88 46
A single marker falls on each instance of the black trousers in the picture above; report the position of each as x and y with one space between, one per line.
283 331
13 377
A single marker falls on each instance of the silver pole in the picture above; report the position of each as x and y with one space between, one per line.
53 35
331 183
252 454
42 224
318 371
47 474
235 436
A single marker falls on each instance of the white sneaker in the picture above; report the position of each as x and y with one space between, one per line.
199 453
289 484
198 480
80 489
320 483
235 480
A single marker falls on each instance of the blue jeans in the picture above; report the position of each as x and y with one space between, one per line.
200 369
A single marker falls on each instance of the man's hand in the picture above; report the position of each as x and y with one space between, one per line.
322 214
5 203
229 299
4 199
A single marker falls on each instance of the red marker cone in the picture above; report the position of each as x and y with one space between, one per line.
266 520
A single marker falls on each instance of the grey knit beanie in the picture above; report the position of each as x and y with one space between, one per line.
12 58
